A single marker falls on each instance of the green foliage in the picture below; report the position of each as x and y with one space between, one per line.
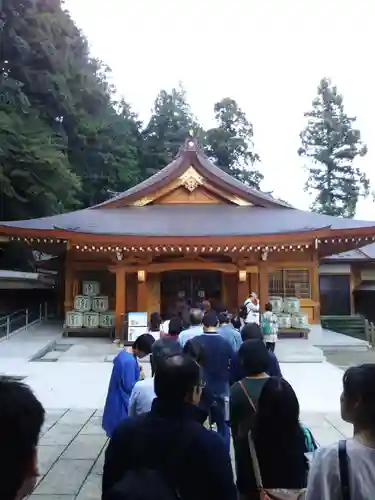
65 142
332 144
230 144
70 95
35 176
170 124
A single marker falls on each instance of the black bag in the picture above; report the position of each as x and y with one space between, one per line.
144 483
344 472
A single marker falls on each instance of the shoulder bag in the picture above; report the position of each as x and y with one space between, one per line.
265 493
344 472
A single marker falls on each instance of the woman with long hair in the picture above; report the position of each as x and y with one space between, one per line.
279 439
357 478
253 358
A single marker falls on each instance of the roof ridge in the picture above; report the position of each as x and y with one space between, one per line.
189 146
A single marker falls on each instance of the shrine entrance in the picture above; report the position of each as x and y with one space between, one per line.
190 287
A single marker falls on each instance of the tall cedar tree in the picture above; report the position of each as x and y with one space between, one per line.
332 144
170 124
70 93
35 175
230 144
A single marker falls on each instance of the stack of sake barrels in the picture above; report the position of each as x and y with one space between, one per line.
288 313
90 309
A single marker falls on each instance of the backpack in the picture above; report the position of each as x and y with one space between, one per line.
310 443
144 483
266 326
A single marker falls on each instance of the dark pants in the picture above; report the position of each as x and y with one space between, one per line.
270 346
217 416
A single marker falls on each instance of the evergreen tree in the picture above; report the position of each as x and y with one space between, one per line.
70 93
35 176
332 144
170 124
230 144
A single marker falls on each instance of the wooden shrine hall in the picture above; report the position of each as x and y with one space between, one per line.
190 229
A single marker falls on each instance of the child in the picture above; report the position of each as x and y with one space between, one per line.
269 328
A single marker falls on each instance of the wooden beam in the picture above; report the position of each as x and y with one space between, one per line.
159 267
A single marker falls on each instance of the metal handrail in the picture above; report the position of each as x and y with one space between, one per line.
12 314
22 318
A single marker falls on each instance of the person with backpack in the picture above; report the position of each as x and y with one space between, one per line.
166 453
269 327
218 356
346 470
252 307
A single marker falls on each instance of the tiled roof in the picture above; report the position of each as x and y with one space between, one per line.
189 220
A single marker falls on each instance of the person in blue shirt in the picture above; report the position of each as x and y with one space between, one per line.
218 356
125 373
252 331
228 332
196 327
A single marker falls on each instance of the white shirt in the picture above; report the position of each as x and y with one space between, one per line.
141 397
324 477
252 311
165 326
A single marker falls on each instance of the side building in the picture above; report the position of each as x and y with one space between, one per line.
191 229
347 283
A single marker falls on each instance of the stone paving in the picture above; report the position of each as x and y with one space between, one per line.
71 451
71 454
72 445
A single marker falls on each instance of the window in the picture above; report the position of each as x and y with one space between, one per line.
289 283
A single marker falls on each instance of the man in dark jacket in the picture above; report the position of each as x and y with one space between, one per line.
172 440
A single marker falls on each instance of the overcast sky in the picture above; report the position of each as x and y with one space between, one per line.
269 55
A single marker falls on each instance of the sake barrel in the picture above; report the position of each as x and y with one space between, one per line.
91 288
291 305
300 320
100 304
82 303
74 319
276 303
91 319
107 319
284 320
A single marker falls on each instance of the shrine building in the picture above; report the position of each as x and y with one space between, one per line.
187 230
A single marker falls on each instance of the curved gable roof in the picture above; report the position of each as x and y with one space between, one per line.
191 154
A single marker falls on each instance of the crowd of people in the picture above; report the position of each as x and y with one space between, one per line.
214 382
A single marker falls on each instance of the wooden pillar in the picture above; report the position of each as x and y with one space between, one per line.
314 287
120 301
69 280
242 287
224 292
142 291
355 280
254 282
263 285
